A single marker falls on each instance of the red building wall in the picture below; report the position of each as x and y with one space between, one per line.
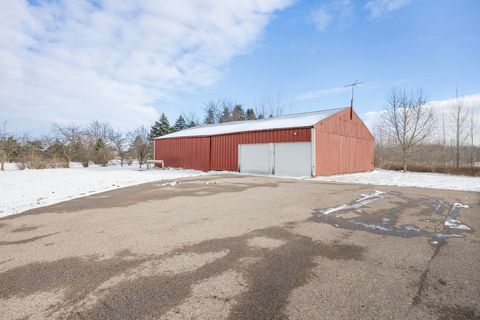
343 145
219 152
224 148
189 153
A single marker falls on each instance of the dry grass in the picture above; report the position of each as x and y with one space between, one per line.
463 171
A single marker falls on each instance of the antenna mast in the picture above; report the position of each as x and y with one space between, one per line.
353 85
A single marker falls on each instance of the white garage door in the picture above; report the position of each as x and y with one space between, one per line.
293 159
255 158
290 159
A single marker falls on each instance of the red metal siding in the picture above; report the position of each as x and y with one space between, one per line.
225 147
343 145
190 153
219 152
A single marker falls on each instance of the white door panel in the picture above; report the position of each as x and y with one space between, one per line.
293 159
255 158
290 159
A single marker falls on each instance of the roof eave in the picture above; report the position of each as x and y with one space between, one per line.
237 132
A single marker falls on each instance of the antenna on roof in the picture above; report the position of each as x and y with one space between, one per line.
353 85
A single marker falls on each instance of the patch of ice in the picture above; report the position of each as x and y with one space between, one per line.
172 184
456 224
411 228
452 221
371 226
365 199
460 205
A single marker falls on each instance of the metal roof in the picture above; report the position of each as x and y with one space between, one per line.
298 120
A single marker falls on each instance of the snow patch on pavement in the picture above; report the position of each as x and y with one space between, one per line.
366 198
408 179
452 221
172 184
388 225
22 190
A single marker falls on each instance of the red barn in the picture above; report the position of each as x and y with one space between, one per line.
306 144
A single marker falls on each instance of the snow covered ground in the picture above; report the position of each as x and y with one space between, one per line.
21 190
408 179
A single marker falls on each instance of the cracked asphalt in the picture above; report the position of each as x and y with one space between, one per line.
238 247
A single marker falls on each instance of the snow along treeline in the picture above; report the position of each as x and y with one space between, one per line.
408 179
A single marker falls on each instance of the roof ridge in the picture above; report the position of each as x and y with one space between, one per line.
262 124
265 119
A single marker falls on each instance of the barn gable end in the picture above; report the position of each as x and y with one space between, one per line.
343 145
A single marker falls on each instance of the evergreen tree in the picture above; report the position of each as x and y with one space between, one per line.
238 114
192 124
250 114
101 152
180 124
226 115
160 128
100 144
261 116
210 115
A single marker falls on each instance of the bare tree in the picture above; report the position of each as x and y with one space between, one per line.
98 130
120 142
271 105
473 130
444 140
459 118
409 120
71 139
53 150
23 146
97 145
226 108
140 144
4 150
213 111
190 119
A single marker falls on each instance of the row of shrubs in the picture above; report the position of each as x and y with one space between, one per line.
37 162
464 170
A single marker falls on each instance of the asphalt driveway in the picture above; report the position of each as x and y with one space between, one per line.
235 247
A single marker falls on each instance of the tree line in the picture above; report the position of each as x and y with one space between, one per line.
96 143
214 112
99 143
412 135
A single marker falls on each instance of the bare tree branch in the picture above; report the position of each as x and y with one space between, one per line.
459 118
409 120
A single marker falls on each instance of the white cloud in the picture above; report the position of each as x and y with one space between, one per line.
335 91
322 19
379 8
76 60
322 93
336 13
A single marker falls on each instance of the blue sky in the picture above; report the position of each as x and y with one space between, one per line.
420 45
78 61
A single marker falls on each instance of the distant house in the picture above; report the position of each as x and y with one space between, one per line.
305 144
